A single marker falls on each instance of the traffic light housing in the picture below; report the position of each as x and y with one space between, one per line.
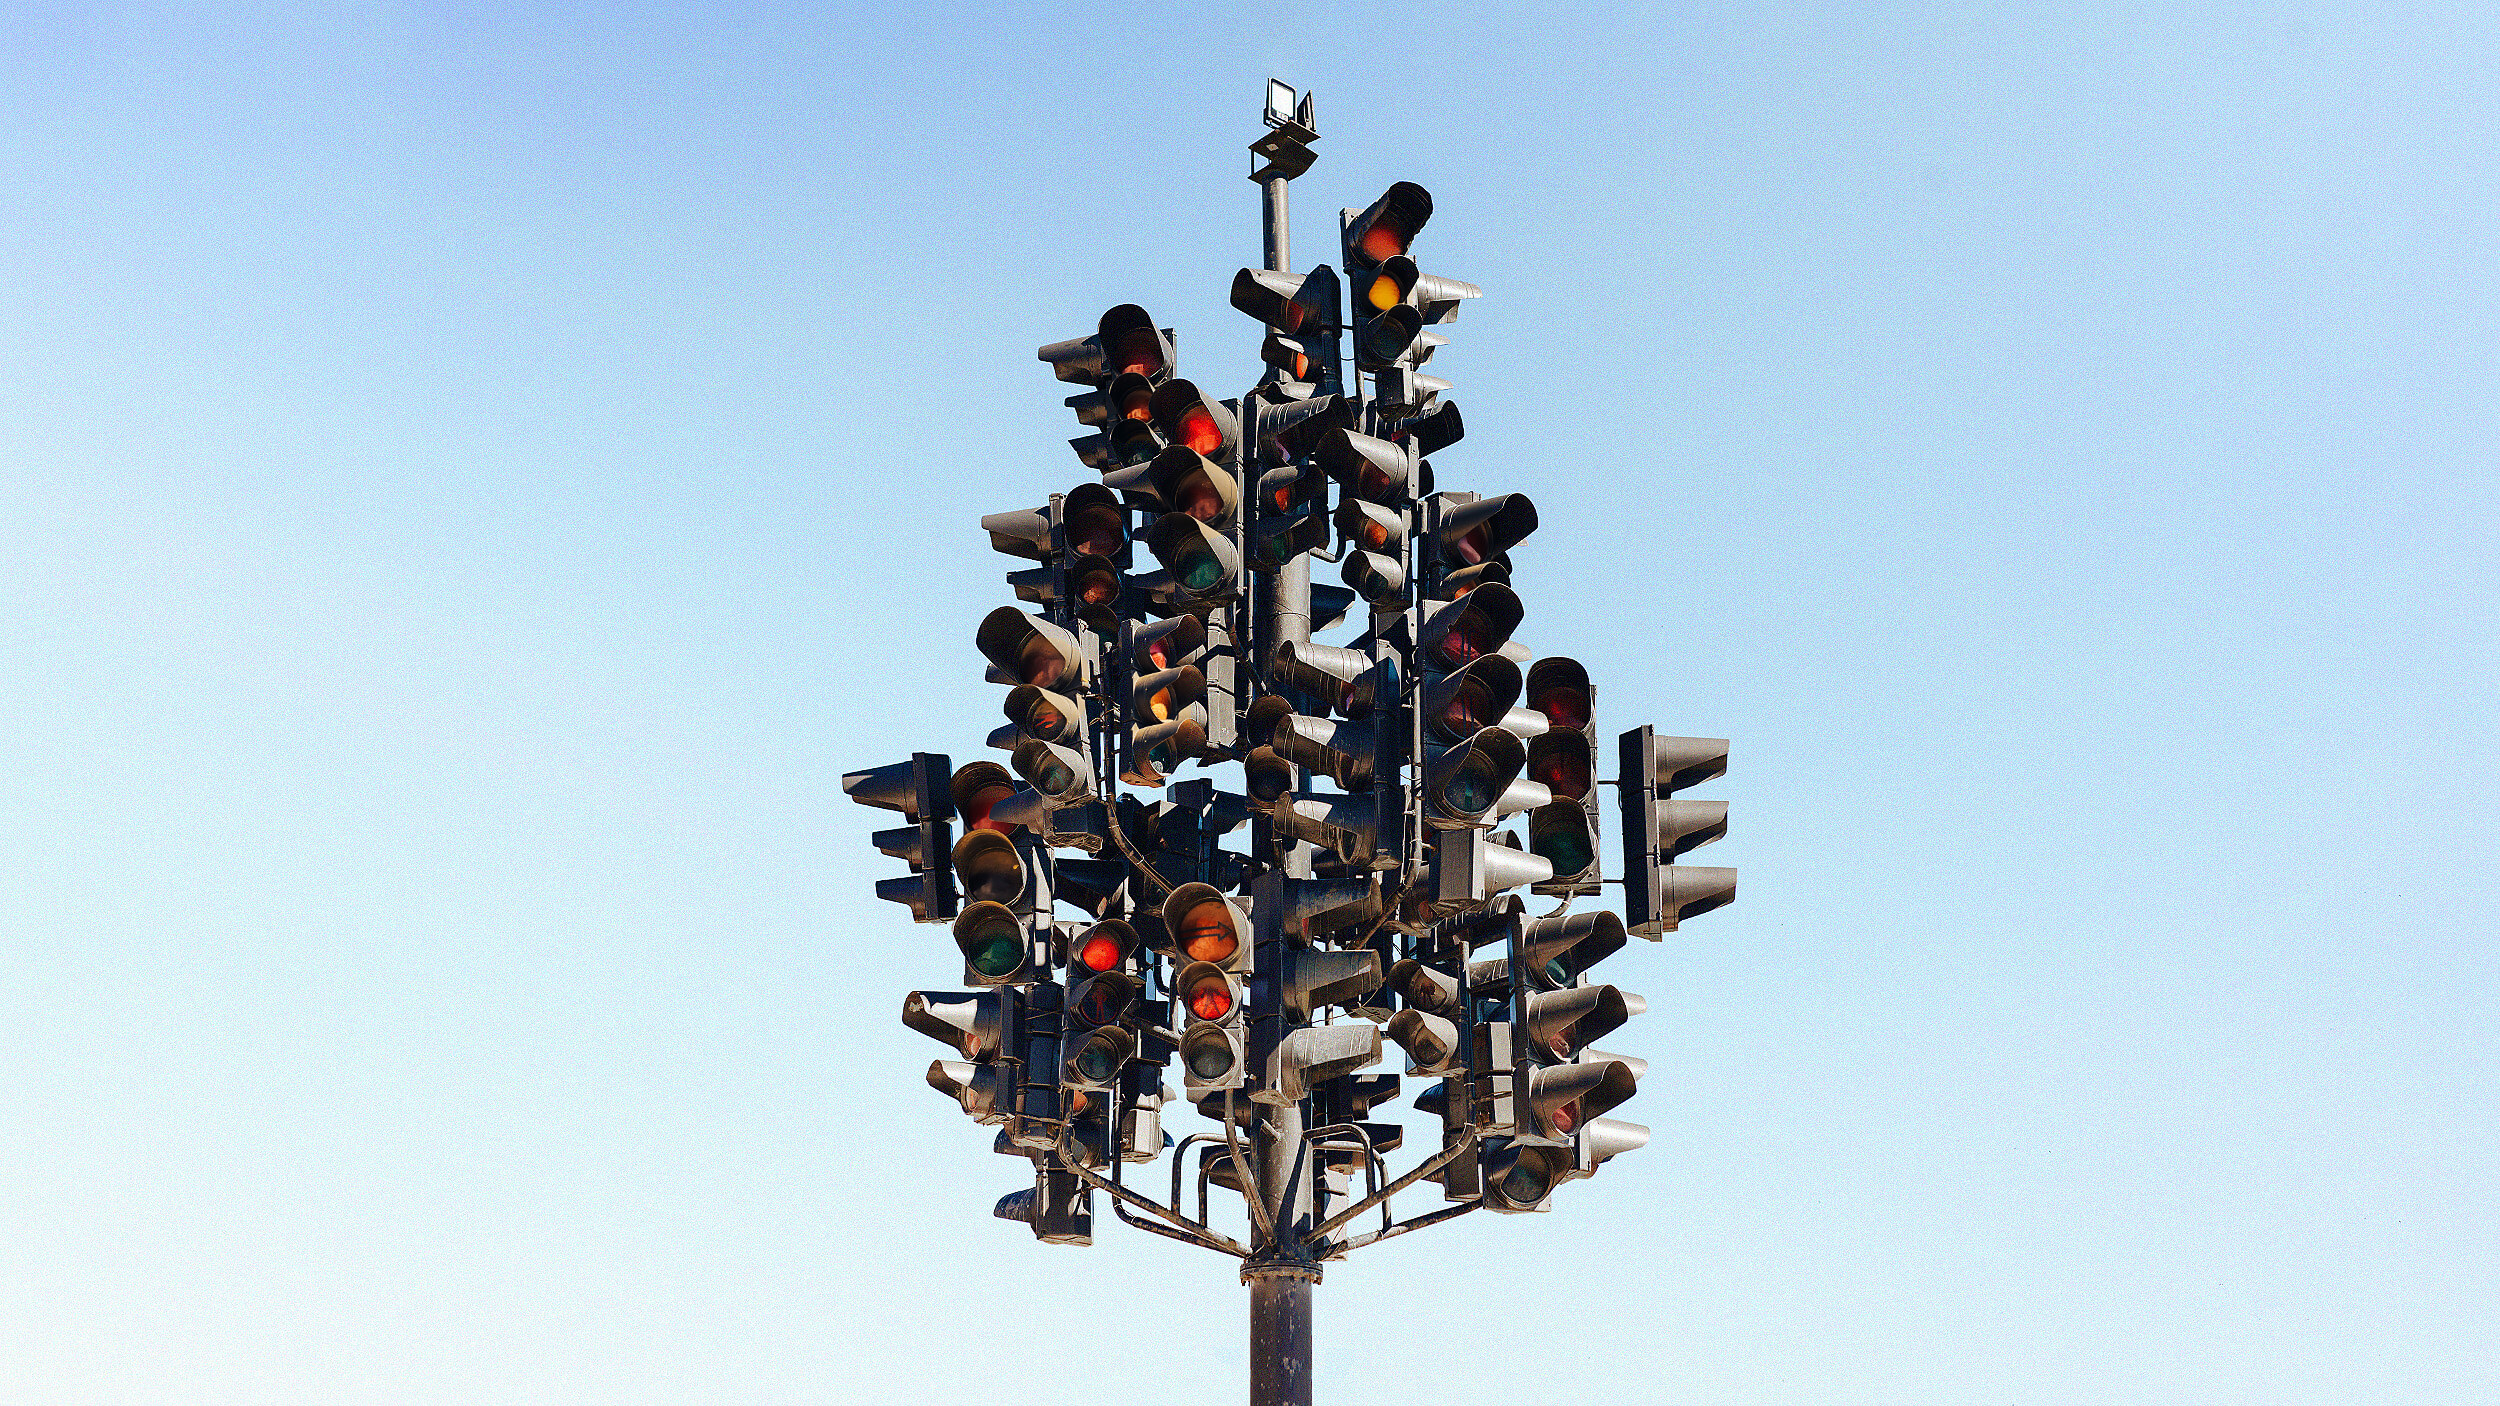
1658 825
919 790
1563 758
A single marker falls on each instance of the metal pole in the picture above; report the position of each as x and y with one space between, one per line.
1280 1341
1279 1274
1279 238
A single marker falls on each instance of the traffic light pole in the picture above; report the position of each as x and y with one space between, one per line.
1280 1274
1373 775
1280 1339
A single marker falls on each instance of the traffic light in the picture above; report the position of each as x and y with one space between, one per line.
1189 420
1344 752
1375 558
917 788
1101 1030
1202 925
1470 866
1557 1099
1081 540
1316 977
1476 695
977 789
1374 470
1300 311
1289 516
1060 1207
1203 563
990 868
1191 484
1043 715
982 1027
1210 937
1561 1084
1315 1054
1106 946
1332 678
1087 520
1458 632
1394 299
1169 712
1214 1038
1555 950
1433 1002
1476 532
1125 342
1466 778
1061 774
1347 825
1385 321
1125 360
1658 894
986 1091
1027 649
1563 758
1521 1176
996 944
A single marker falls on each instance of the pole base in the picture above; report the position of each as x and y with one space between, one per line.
1280 1336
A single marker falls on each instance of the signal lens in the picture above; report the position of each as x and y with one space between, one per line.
1096 1061
1096 529
1139 351
1383 293
995 951
1563 773
1465 642
1040 663
1199 569
1099 953
1199 499
1211 1001
1381 242
1527 1181
1211 1058
977 806
1464 714
1469 791
1566 1119
1564 706
1101 1006
1096 586
1567 850
1207 932
1198 431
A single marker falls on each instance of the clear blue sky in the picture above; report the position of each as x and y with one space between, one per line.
477 478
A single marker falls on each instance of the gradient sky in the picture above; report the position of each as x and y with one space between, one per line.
479 476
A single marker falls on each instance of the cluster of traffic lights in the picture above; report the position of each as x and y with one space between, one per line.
1094 682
